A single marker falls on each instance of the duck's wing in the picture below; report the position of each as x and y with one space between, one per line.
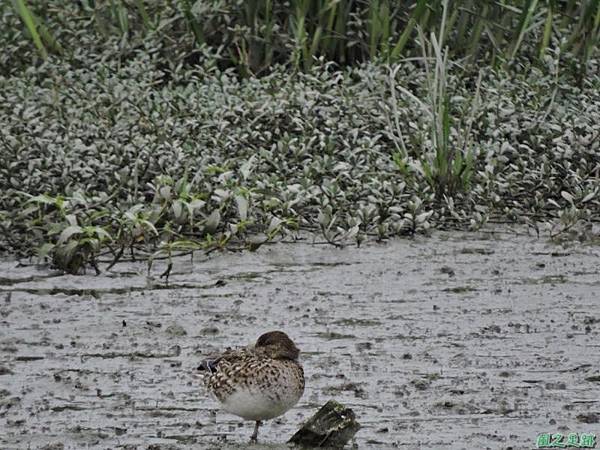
232 371
226 359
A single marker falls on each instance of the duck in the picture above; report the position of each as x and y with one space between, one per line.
258 382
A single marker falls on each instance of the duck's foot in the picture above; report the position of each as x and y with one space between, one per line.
254 437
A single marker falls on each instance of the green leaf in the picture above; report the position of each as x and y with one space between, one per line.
568 197
197 204
242 206
423 216
274 225
247 168
100 232
165 192
68 232
149 225
177 208
71 219
588 197
45 250
43 199
212 222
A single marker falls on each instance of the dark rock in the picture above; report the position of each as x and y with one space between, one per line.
589 418
447 270
175 330
53 446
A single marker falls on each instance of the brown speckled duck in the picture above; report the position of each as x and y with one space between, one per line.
259 382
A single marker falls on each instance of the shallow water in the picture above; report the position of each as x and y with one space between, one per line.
460 340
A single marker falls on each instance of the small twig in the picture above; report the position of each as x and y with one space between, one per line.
116 258
94 264
167 271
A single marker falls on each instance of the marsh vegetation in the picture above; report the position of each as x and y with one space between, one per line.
140 129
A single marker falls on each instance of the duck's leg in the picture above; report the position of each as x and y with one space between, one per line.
254 436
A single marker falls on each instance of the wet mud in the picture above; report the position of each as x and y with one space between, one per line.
459 340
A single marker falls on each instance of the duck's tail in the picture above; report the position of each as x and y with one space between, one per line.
209 365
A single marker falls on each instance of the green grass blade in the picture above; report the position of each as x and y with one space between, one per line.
193 23
144 14
48 38
547 28
586 34
477 33
524 21
29 20
415 18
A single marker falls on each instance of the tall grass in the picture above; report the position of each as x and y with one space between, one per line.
447 164
258 33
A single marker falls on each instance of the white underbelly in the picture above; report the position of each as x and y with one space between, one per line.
253 404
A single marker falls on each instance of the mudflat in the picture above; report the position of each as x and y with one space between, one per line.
458 340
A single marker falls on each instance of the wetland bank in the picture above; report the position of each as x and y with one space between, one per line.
411 190
458 340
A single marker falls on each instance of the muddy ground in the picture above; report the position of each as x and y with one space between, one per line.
476 340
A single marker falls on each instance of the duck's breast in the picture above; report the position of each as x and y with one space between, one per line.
267 391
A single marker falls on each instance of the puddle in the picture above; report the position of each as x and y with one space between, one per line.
454 341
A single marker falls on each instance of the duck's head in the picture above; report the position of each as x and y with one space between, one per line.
277 345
